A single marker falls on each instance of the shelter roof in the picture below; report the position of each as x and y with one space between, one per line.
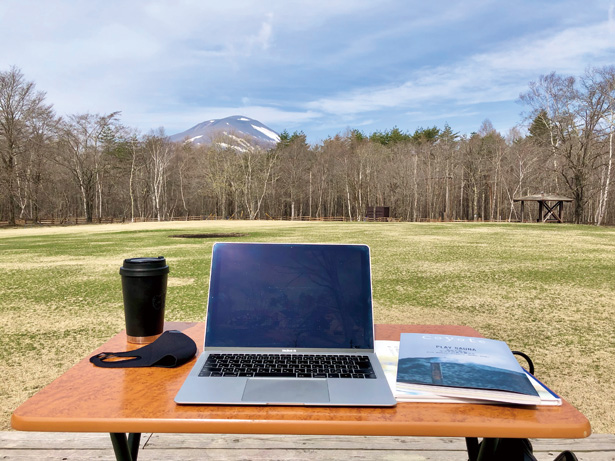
543 198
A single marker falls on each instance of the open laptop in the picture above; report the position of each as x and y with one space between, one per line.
288 324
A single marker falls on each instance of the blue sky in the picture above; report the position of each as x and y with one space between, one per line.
320 66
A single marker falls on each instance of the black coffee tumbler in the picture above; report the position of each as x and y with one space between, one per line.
144 286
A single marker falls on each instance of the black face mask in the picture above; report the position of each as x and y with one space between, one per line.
170 350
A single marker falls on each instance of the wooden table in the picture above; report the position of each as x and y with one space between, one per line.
138 400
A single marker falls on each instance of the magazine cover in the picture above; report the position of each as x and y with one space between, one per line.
463 367
388 354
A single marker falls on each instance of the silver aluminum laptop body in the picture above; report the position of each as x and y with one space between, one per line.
289 300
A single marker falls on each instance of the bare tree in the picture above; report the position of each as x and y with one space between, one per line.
159 150
20 108
607 87
36 161
81 153
257 166
219 168
294 169
572 113
134 150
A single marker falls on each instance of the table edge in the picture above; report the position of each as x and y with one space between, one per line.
578 428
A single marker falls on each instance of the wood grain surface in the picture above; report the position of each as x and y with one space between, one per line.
91 399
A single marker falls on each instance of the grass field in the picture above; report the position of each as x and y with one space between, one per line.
548 290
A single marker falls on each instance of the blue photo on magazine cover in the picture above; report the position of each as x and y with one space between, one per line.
462 362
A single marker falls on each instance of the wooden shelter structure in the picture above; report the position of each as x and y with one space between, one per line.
550 206
377 213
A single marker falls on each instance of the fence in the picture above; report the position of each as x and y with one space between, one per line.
72 221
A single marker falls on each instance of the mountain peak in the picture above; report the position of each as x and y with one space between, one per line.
236 131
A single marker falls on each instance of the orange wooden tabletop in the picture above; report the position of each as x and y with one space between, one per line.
91 399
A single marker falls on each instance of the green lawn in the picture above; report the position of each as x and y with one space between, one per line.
548 290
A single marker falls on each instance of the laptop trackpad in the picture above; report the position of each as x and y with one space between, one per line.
280 390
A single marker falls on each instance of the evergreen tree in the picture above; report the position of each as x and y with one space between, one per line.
539 129
447 135
426 135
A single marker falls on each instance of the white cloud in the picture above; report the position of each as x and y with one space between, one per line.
449 115
568 51
179 63
181 119
262 40
487 77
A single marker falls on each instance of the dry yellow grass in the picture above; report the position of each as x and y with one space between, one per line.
548 290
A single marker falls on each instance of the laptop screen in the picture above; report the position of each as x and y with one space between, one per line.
290 296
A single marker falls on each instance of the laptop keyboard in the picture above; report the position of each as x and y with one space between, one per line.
288 366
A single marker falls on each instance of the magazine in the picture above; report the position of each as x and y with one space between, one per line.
388 352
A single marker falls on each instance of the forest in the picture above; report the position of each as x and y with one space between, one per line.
91 167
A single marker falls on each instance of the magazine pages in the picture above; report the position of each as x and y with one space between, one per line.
388 352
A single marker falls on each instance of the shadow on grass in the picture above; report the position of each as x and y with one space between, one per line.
207 236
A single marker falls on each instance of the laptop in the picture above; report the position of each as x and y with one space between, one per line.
288 324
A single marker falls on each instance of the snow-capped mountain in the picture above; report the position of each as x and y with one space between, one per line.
237 132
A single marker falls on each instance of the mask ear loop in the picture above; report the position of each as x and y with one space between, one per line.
527 359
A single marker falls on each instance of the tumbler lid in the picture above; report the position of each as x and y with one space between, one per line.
136 267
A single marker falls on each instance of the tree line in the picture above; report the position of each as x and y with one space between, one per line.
92 166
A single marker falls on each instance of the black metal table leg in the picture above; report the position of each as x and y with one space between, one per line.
487 449
472 447
497 449
134 441
483 451
126 449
